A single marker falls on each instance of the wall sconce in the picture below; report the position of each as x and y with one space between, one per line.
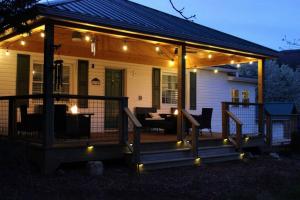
95 81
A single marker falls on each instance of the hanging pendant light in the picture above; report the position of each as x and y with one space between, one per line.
76 36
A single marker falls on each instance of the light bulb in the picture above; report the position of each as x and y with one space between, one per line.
87 38
232 62
125 47
42 34
171 62
7 53
210 56
216 71
157 48
238 65
251 62
195 70
23 43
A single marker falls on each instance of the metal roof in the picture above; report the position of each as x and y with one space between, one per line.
280 108
127 15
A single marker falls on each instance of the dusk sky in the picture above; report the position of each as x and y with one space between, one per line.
265 22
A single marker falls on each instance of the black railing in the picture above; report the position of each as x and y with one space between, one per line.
76 118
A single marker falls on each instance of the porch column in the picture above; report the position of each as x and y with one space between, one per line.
181 90
48 108
261 78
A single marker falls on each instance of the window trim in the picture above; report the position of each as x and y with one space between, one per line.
168 74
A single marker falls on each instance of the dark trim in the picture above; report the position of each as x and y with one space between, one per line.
193 89
38 96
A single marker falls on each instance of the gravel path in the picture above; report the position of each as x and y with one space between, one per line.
261 178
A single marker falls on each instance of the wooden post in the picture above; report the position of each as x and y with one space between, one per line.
225 121
261 78
123 121
239 134
12 118
48 108
269 133
195 141
181 91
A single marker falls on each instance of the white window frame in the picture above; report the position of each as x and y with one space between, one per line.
71 74
175 99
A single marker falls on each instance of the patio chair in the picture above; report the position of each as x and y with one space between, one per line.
60 120
29 123
204 120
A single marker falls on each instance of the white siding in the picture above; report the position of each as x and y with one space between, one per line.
212 89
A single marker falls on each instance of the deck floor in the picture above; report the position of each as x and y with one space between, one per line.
146 137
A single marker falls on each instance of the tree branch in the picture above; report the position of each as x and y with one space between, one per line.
180 11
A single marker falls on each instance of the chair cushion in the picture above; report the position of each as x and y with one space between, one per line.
155 115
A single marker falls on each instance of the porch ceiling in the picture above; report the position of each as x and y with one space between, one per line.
110 47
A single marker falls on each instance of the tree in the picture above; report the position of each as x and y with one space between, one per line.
15 14
181 12
282 83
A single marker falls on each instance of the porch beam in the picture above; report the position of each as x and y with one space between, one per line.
261 80
48 103
181 90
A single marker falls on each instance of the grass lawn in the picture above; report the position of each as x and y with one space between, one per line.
261 178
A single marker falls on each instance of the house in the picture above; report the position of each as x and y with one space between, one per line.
283 121
72 86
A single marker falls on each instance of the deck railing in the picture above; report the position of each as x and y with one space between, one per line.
195 131
76 118
281 129
242 120
136 135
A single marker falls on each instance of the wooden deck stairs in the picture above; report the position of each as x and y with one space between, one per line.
172 154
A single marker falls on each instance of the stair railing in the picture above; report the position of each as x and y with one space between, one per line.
239 134
195 131
137 126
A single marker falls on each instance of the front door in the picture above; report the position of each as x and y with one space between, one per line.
113 88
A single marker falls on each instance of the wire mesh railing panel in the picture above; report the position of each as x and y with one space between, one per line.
248 115
89 118
4 110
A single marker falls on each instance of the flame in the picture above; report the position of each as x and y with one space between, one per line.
74 109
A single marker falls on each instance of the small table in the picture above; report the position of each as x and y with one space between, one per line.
79 124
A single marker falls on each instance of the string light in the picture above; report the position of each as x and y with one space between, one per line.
209 56
216 71
251 62
23 43
87 38
157 49
232 62
171 62
7 53
42 34
238 65
125 46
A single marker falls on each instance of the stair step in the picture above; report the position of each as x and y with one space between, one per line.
216 150
220 157
167 163
165 154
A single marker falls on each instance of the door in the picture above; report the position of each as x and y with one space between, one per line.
113 88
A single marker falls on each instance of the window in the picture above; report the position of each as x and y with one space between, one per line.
169 89
37 80
245 95
235 96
